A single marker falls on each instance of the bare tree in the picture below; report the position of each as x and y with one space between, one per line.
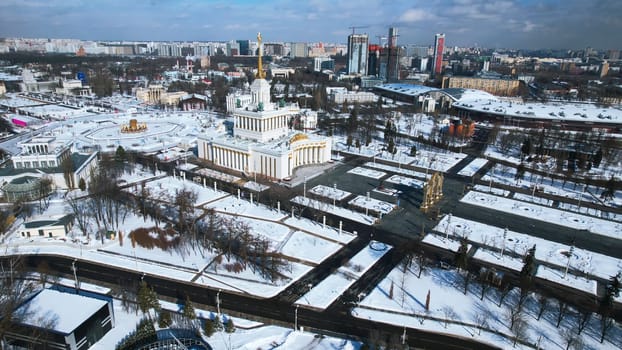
543 302
184 201
572 339
562 306
81 213
519 328
449 314
503 292
45 188
583 319
482 322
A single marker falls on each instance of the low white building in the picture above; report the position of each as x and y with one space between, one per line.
49 227
340 97
41 152
73 87
44 156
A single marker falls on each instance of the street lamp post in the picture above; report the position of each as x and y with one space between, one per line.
569 257
505 235
492 173
304 188
75 274
404 336
447 226
296 319
218 302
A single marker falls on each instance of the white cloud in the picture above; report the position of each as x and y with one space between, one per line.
529 26
415 15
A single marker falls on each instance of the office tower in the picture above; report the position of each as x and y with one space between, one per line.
392 73
245 47
373 60
439 46
357 53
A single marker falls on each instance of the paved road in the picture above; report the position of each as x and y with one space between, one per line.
274 310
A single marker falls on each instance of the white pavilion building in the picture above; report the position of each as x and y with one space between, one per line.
262 142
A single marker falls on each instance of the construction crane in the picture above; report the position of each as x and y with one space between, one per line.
357 27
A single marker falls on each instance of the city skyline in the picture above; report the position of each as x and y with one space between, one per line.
527 24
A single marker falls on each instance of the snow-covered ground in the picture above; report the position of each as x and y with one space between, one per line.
405 181
473 167
581 261
331 193
546 214
370 204
367 173
400 299
291 238
335 210
248 335
327 291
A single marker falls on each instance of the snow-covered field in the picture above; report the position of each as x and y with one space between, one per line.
327 291
473 167
400 299
331 193
335 210
376 206
581 261
367 173
537 212
405 181
248 335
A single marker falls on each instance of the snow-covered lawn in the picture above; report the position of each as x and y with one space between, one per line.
405 181
335 210
473 167
581 260
398 170
331 193
437 160
166 189
367 173
373 205
309 248
233 205
321 230
248 335
537 212
400 299
327 291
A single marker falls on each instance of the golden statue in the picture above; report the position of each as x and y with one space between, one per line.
260 73
432 191
133 126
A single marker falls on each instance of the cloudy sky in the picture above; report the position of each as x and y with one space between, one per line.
485 23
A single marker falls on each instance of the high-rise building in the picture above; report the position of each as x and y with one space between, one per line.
373 60
324 62
273 49
392 56
298 50
613 54
245 47
439 46
416 51
233 48
357 53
